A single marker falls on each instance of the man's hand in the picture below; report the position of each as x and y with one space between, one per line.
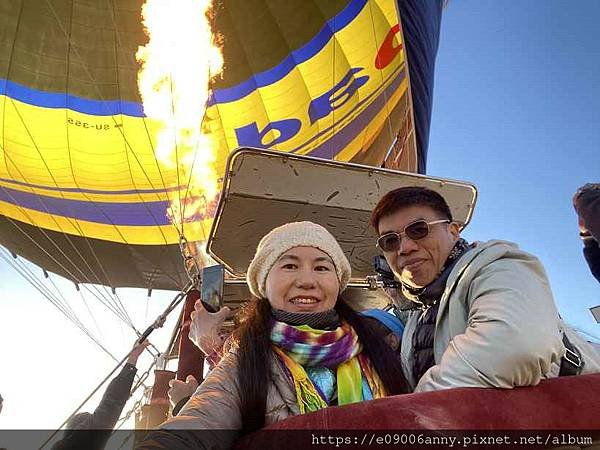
205 326
138 349
181 389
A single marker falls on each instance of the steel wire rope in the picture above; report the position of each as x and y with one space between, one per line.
393 139
92 316
187 188
125 142
143 377
5 154
117 302
159 322
50 240
60 294
67 271
138 402
119 364
14 265
67 311
72 223
138 384
119 128
27 274
107 305
382 79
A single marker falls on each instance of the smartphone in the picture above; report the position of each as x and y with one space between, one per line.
211 290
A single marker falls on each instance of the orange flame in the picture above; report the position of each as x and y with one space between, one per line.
178 62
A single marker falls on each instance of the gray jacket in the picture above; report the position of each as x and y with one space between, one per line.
212 417
497 325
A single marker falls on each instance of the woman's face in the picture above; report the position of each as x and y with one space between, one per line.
303 279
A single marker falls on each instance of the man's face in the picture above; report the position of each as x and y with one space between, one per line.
418 263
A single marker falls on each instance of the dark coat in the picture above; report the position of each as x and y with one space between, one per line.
93 430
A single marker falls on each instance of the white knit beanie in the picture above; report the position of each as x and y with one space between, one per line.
295 234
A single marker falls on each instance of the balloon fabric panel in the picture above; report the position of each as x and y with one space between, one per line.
322 78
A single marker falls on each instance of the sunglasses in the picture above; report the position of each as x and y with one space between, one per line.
390 242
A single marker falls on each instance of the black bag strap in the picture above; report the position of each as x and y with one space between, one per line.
571 363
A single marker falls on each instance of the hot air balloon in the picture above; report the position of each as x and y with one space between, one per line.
82 191
85 191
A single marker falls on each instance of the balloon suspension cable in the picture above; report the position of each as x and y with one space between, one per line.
160 320
190 263
158 323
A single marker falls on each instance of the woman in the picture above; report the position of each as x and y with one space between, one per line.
299 347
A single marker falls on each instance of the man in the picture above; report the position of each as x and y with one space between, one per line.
586 202
484 316
92 430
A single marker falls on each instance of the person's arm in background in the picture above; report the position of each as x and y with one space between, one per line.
117 393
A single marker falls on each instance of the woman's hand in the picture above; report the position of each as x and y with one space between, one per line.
205 326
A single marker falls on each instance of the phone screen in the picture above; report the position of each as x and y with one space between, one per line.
212 287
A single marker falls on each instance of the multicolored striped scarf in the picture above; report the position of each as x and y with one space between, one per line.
302 346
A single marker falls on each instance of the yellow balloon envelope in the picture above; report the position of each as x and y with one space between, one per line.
82 192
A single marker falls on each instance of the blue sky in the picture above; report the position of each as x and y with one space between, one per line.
516 105
516 102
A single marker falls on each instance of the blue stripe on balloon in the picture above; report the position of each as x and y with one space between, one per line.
109 213
154 213
112 107
93 191
297 57
397 80
333 145
345 135
62 100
